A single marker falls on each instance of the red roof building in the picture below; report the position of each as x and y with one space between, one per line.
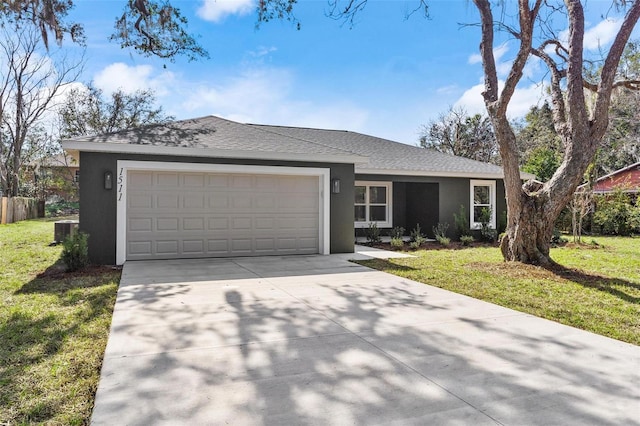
626 179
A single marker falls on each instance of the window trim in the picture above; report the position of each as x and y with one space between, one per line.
492 201
389 185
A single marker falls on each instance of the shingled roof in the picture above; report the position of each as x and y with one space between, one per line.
213 136
389 157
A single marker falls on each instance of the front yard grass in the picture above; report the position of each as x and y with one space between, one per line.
53 329
597 289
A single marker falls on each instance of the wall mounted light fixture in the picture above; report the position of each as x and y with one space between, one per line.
335 186
108 180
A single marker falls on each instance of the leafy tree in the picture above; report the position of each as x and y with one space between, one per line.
87 111
151 27
542 162
539 143
621 144
29 85
615 214
533 208
458 133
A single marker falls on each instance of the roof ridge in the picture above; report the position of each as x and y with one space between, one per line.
261 128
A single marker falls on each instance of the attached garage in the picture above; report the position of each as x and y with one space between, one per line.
184 210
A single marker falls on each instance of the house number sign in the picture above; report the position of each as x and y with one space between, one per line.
120 183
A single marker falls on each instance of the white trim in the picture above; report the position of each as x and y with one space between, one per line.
492 201
209 152
428 173
124 166
389 185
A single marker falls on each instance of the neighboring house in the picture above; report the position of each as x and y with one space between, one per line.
626 179
55 176
210 187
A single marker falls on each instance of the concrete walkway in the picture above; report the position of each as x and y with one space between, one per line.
315 340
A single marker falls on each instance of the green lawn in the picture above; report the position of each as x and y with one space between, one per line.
598 288
53 329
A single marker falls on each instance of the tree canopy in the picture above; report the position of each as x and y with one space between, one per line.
87 111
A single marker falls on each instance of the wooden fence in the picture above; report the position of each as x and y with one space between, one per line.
15 209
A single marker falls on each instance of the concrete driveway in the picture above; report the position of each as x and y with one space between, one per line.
318 340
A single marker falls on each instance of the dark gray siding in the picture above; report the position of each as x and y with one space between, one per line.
452 193
98 205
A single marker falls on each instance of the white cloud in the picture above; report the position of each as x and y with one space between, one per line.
502 67
216 10
256 93
602 34
498 53
523 99
131 78
265 95
598 36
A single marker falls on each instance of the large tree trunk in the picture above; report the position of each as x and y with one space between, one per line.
533 208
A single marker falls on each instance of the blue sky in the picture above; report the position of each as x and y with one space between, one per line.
386 76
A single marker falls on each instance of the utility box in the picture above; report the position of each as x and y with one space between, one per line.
64 229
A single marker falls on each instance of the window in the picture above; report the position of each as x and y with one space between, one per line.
372 204
483 197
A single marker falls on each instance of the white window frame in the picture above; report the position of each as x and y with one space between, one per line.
492 200
389 186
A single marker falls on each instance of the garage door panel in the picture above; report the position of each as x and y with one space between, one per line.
167 224
182 215
166 180
139 200
194 180
167 201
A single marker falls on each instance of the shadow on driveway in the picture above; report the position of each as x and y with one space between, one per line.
319 340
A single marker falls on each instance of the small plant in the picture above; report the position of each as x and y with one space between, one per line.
417 237
397 232
461 223
440 232
444 241
414 245
466 240
75 251
557 238
397 242
373 233
487 233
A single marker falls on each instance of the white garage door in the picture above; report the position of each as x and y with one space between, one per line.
186 215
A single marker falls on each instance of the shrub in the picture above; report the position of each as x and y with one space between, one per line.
461 223
75 251
466 240
61 208
397 232
440 230
487 233
397 242
415 245
417 237
445 241
616 215
373 233
557 237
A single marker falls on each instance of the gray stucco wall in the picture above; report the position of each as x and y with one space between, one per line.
453 192
98 205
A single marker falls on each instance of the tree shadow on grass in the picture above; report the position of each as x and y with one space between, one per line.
384 265
43 356
609 285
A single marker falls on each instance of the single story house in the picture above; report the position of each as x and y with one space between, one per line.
626 179
211 187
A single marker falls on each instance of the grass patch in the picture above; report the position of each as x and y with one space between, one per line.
596 289
53 329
